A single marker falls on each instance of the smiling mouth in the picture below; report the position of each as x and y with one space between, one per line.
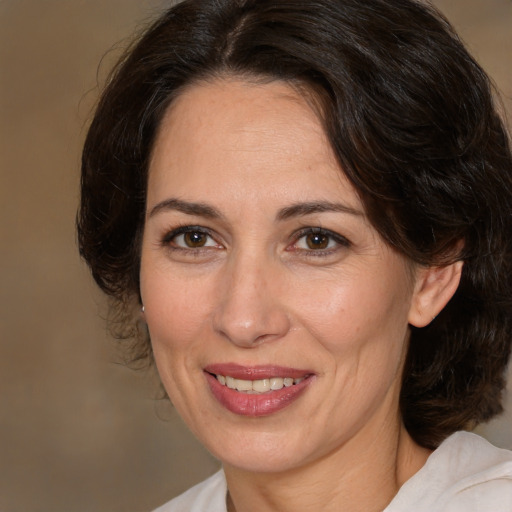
259 386
256 391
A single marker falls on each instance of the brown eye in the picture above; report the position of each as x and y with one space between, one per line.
195 239
190 237
317 241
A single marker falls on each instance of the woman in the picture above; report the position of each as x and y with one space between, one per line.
308 204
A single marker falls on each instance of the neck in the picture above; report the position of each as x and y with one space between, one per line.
360 476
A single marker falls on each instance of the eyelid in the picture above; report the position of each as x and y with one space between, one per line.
171 234
339 239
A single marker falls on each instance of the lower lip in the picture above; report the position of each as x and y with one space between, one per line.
255 405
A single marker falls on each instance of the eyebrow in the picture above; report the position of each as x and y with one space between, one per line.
199 209
288 212
308 208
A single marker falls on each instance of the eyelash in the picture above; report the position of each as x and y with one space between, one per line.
167 240
341 241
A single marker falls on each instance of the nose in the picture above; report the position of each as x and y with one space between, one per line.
251 305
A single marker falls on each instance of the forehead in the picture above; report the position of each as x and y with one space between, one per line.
235 110
259 138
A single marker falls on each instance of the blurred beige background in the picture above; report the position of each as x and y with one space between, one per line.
77 431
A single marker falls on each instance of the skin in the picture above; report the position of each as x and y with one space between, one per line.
253 292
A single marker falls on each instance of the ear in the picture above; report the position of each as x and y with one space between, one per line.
434 287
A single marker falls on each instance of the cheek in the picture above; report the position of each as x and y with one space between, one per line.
364 318
176 309
176 312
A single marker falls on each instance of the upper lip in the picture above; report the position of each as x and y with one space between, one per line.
257 372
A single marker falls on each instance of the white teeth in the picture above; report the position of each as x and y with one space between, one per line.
258 386
243 385
261 386
230 383
276 383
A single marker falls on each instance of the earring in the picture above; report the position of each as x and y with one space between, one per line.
143 309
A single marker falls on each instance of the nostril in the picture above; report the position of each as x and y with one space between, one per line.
263 327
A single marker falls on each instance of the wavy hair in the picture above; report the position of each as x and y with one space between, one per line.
411 119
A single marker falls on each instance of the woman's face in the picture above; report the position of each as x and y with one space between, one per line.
261 272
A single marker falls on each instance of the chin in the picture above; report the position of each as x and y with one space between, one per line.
259 448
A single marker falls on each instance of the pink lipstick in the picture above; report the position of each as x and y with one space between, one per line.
256 390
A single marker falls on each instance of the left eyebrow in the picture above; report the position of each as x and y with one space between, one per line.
302 209
199 209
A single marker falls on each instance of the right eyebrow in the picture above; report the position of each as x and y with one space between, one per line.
311 207
199 209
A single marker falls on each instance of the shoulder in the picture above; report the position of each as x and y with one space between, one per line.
483 475
465 474
207 496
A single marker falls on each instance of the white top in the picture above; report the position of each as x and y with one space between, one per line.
465 474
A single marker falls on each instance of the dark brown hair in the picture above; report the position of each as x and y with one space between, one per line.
410 116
